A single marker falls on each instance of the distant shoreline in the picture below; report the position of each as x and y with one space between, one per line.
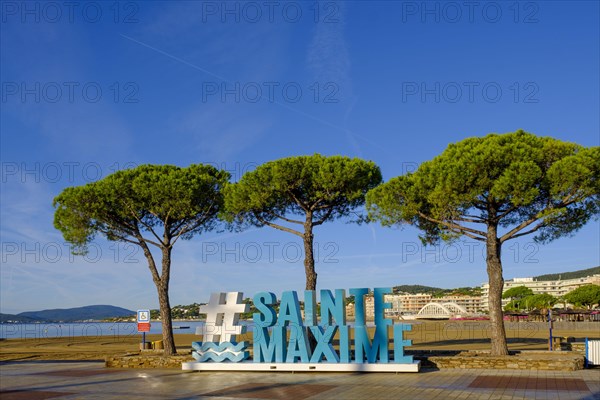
92 321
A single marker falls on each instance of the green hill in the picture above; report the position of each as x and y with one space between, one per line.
97 312
17 318
414 289
437 292
582 273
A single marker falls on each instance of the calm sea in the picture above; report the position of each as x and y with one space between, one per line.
95 329
89 329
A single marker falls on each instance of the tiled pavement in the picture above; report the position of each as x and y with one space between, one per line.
90 380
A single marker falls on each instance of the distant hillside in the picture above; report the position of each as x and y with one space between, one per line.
96 312
16 318
569 275
437 292
414 289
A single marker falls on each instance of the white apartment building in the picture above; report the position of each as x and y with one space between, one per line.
556 288
412 304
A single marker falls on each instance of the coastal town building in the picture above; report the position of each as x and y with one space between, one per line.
406 304
403 304
556 288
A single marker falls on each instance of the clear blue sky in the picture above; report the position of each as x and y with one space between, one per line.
91 87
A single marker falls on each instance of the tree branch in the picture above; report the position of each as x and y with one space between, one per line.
513 232
187 227
277 226
475 220
324 218
150 258
475 217
132 212
179 224
316 206
292 221
467 234
462 229
535 228
505 213
516 229
121 237
297 200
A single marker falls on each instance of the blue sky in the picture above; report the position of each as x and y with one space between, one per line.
93 87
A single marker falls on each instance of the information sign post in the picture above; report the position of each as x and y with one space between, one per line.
143 324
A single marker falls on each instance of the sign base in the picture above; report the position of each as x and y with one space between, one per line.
300 367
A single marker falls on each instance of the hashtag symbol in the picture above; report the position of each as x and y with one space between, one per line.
222 317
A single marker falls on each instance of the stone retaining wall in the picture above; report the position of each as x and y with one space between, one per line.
578 347
531 360
528 326
144 360
548 361
587 326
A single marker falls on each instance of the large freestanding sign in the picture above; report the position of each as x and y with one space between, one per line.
281 340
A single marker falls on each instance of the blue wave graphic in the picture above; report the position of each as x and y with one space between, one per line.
221 357
219 347
219 352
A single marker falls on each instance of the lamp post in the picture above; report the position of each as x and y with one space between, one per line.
550 328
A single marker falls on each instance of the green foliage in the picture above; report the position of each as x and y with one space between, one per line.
513 305
437 292
329 187
529 301
517 293
582 273
587 295
190 311
493 189
148 205
540 301
466 291
316 188
514 180
414 289
125 205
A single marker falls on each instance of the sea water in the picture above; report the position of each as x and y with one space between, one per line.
96 329
87 329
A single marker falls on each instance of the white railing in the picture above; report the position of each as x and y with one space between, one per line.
592 352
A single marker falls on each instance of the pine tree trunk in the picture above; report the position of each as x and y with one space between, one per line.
165 316
162 287
165 306
496 282
309 259
309 268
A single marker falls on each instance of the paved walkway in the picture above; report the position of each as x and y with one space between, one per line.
90 380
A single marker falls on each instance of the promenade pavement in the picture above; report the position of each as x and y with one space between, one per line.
90 380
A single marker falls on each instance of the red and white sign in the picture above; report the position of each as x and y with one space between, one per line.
143 326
